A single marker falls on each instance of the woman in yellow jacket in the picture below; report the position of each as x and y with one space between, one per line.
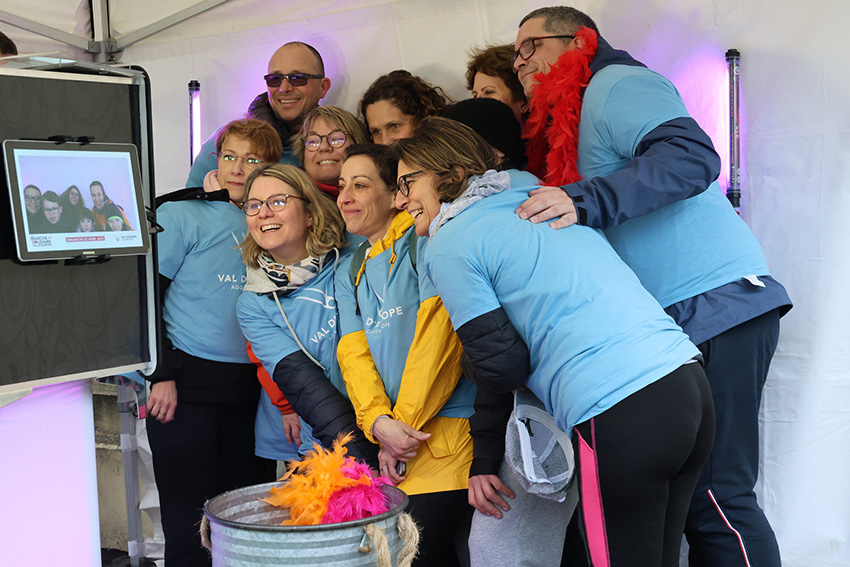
400 358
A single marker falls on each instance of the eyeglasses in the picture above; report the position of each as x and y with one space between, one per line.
274 80
32 197
336 139
247 162
51 209
529 46
275 203
404 182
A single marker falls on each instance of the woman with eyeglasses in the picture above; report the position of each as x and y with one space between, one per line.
320 143
400 359
204 393
557 311
287 308
395 104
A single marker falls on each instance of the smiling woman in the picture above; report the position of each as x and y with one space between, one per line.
287 309
367 191
321 141
641 435
401 360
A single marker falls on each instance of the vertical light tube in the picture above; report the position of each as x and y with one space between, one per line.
194 120
733 191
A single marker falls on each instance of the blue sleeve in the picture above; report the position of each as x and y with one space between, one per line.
204 163
465 288
349 320
655 153
426 287
269 342
172 245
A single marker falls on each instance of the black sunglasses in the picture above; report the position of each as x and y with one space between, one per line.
274 80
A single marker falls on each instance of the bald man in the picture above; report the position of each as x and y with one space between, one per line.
295 84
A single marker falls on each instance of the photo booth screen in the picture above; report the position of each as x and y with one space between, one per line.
74 200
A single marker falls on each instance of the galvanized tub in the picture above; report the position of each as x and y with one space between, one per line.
246 532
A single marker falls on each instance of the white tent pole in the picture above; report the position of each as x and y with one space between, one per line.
129 39
100 30
46 31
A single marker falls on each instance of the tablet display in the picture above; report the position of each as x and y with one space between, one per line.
75 201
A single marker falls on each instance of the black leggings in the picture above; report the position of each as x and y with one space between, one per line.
444 519
638 463
208 449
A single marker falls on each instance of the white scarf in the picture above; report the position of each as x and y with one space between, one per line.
477 188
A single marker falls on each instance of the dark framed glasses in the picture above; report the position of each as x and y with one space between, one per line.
404 182
275 203
274 80
529 46
336 139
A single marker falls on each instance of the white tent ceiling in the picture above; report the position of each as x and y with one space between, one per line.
796 170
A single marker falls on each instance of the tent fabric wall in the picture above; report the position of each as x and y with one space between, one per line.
796 168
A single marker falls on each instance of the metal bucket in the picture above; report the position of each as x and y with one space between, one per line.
246 532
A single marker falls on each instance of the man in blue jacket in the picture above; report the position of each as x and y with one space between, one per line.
622 154
296 82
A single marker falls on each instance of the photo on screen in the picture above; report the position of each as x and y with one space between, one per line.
75 200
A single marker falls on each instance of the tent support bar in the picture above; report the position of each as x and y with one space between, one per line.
165 23
46 31
103 45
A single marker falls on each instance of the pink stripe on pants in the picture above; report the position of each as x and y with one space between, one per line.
591 502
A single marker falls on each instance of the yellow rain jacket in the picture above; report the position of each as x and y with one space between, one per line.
400 356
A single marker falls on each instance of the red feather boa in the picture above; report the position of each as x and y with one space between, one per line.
555 111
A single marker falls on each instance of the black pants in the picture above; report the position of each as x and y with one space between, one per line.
444 519
206 450
638 463
726 527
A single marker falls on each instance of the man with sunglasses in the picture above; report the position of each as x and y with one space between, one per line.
631 161
296 83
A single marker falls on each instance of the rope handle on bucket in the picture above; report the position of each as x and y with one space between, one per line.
408 531
205 532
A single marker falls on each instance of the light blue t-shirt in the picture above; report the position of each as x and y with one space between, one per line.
198 252
686 248
270 440
594 334
311 310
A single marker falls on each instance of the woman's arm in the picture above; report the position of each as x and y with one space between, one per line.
320 404
309 392
362 381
